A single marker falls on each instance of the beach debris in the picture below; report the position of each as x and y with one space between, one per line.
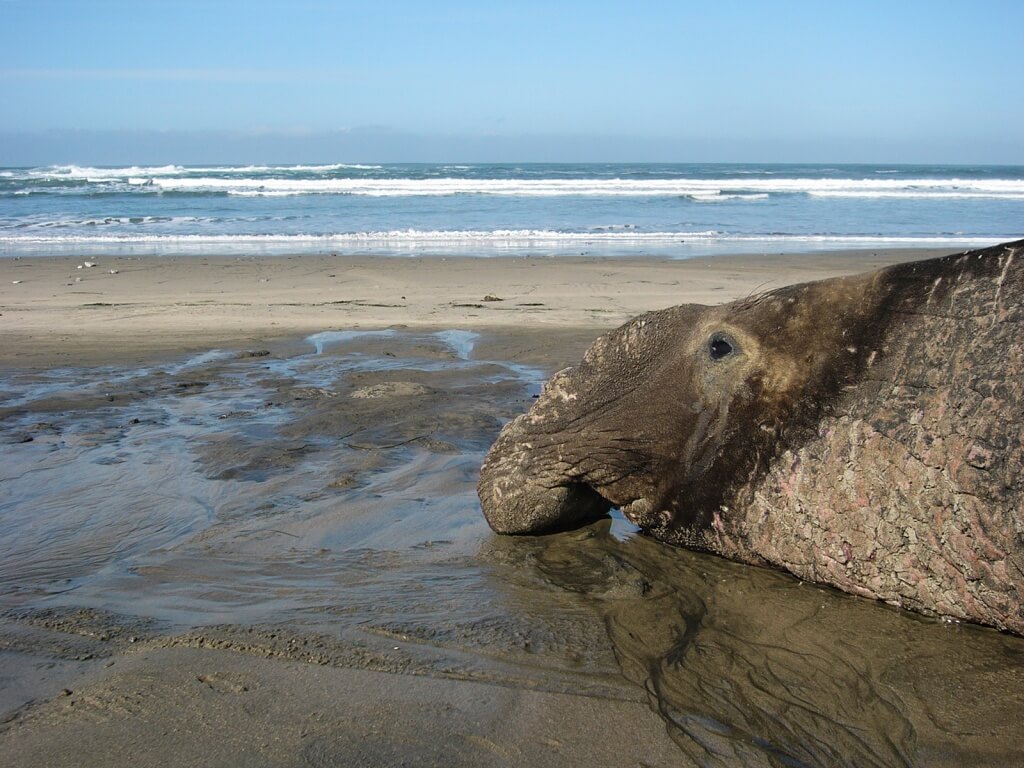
86 265
491 297
113 271
15 282
78 279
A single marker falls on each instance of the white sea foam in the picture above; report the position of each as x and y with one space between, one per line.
716 197
40 221
482 244
494 238
87 173
931 194
227 169
276 181
297 168
517 236
93 173
703 190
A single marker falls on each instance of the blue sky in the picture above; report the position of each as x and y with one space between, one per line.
197 81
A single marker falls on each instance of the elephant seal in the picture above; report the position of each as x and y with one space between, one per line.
864 432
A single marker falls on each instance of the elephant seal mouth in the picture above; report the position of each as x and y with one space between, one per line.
528 508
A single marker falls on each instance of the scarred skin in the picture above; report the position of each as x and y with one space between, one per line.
864 432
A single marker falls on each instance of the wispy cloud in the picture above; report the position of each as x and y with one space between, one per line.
166 75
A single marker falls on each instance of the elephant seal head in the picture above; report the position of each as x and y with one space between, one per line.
669 415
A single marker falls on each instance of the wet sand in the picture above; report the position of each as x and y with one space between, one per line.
240 527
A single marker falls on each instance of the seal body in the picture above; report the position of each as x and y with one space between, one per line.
864 432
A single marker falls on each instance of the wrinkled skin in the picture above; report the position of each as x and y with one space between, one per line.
863 432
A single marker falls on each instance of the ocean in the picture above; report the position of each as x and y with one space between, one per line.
669 210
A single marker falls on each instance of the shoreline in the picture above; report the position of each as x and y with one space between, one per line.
131 309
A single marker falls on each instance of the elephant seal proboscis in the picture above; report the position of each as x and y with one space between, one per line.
864 432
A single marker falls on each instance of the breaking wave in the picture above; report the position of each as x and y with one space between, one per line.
452 180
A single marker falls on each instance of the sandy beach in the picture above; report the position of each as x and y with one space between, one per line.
238 526
56 310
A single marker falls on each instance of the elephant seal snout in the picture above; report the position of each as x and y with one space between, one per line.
863 431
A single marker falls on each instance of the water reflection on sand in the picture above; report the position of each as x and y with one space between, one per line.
318 503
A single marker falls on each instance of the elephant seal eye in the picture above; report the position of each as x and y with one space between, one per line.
719 348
